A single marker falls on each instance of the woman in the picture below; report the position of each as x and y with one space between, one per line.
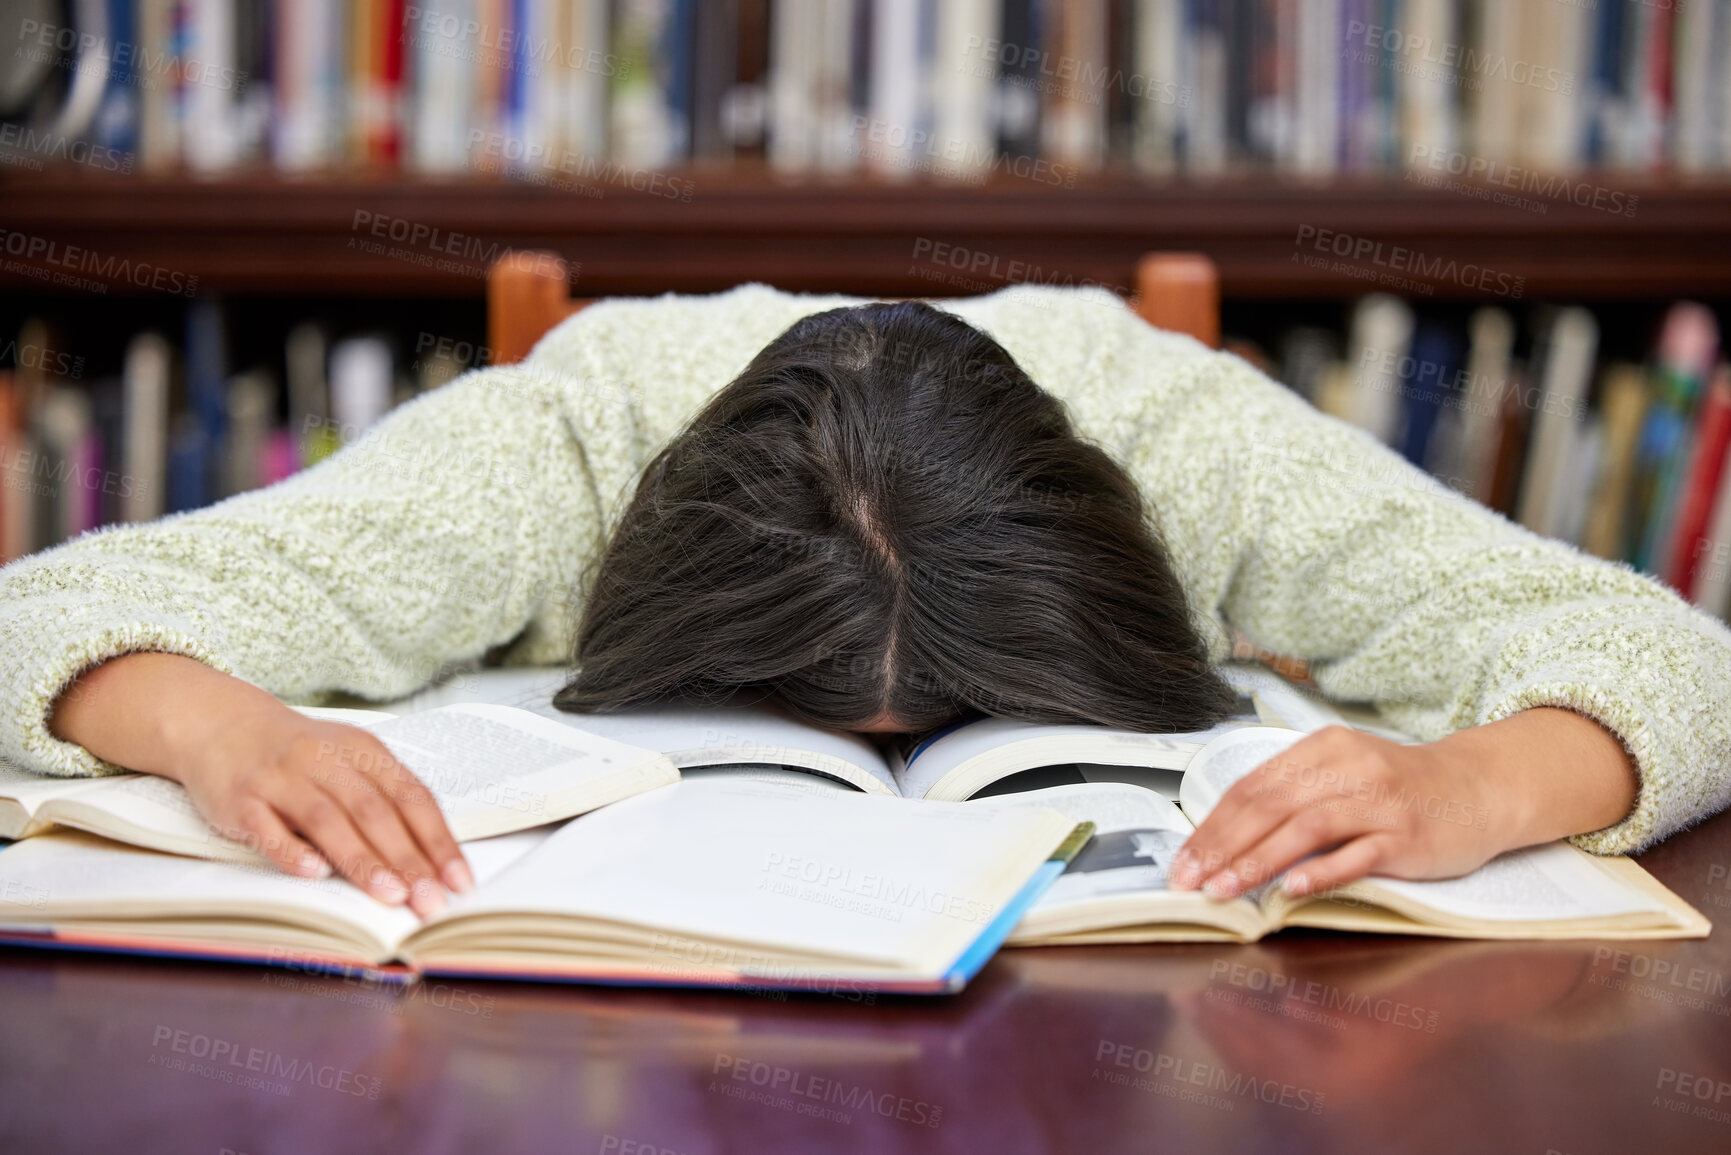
882 521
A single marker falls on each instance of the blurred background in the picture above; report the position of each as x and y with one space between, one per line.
1495 233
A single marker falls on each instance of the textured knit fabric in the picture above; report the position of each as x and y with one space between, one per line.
462 525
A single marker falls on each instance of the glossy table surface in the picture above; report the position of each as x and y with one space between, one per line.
1304 1042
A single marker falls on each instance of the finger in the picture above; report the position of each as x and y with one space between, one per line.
382 825
1255 805
1307 831
265 831
322 820
1243 817
1347 864
420 811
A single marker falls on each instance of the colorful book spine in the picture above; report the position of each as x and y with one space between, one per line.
1700 487
15 506
1687 347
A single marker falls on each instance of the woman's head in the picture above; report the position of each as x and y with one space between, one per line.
883 523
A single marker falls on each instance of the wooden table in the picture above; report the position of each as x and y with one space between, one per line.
1307 1042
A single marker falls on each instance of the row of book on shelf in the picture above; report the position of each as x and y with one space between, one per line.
566 89
176 429
1626 460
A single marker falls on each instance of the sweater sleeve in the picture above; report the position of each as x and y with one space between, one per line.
454 526
1319 542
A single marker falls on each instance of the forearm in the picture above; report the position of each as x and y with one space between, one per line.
1341 804
1319 544
1551 774
147 711
415 550
266 775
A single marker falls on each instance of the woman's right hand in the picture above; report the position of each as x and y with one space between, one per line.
311 795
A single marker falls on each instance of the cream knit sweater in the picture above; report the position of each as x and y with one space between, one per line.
463 521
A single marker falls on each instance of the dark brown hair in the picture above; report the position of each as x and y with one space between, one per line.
884 516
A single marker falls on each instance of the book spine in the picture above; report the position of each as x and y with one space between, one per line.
1712 575
1622 409
677 53
1159 37
1073 82
963 78
144 456
116 125
159 123
1205 135
15 459
1514 425
206 373
208 85
386 143
1321 71
1701 485
1018 128
109 484
361 380
1565 371
1427 385
1688 345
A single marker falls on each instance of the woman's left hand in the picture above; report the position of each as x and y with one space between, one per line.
1364 805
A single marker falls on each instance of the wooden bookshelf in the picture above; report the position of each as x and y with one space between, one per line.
267 234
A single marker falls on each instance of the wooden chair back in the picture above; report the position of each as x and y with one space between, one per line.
528 293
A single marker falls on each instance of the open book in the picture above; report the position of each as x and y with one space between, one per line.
1145 793
957 762
1115 890
493 769
708 882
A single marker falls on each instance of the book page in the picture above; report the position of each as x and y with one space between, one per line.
817 876
994 747
717 735
1224 761
66 877
346 715
1162 782
766 772
1294 708
30 789
1282 703
491 769
1136 835
690 736
1536 884
75 878
494 769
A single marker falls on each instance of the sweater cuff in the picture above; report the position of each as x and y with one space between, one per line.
25 738
1640 826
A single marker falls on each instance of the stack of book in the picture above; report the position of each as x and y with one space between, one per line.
591 91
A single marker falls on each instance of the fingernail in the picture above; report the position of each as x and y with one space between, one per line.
426 900
1296 884
1183 875
1222 885
458 877
313 866
390 889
